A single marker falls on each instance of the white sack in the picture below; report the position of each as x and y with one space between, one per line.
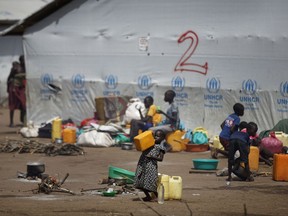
104 128
95 139
30 131
132 110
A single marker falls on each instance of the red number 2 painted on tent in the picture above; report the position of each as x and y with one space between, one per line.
184 63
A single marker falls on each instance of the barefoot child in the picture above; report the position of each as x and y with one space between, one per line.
146 176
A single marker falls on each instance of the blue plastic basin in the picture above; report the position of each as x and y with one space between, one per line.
205 164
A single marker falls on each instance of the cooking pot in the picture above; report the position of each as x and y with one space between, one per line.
126 146
35 168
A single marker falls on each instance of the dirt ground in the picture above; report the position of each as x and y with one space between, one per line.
203 193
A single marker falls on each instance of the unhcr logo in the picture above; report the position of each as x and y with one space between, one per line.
144 82
178 83
213 85
46 79
249 87
78 81
283 101
284 89
111 82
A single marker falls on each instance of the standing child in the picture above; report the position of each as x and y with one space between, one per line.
228 126
146 176
240 140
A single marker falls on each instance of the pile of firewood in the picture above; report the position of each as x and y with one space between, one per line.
34 146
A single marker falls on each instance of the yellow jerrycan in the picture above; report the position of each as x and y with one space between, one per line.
164 179
175 187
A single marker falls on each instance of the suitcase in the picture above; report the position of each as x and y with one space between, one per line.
46 131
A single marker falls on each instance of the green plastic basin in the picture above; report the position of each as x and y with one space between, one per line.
119 173
109 194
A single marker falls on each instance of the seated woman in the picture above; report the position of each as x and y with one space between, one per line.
152 118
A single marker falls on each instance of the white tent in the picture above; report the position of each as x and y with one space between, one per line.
213 53
13 12
18 10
